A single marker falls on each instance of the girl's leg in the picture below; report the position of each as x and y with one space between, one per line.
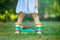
19 21
37 22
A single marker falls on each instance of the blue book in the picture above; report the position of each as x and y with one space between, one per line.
28 30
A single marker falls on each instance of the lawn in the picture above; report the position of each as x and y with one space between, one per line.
50 31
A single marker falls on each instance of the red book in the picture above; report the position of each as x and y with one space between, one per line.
27 26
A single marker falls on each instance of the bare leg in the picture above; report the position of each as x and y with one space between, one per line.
20 18
36 18
37 22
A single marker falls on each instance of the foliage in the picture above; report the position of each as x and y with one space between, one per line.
47 9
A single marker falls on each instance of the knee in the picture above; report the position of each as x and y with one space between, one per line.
34 14
22 14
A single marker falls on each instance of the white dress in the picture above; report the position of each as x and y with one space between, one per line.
26 6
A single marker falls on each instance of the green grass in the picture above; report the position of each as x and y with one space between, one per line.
50 31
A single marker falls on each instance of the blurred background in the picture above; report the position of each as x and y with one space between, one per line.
49 10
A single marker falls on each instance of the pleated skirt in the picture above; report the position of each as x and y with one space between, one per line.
26 6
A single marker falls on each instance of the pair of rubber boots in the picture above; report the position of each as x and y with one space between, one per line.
18 28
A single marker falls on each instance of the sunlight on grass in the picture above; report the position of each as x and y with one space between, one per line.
50 31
